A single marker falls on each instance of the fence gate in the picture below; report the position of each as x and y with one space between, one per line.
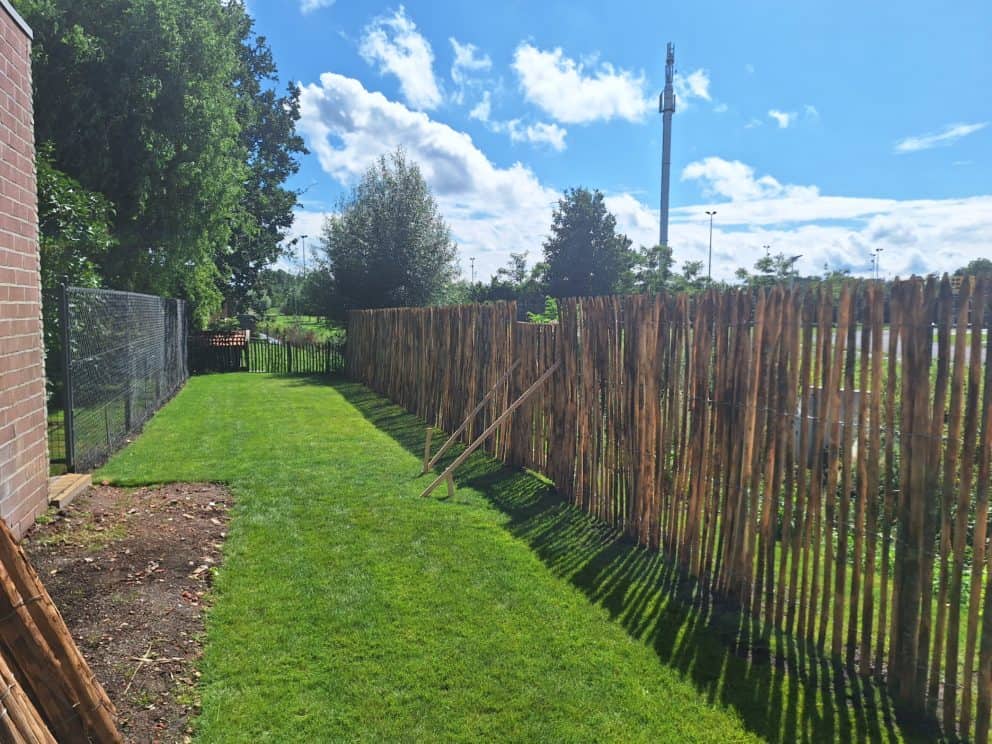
123 356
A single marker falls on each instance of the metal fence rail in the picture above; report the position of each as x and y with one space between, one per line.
124 355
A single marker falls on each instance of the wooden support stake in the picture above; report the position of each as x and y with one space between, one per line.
427 448
451 440
492 427
451 486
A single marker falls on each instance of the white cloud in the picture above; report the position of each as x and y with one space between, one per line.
308 6
394 43
753 123
736 181
694 85
482 109
949 134
721 108
468 63
492 210
467 59
570 93
539 133
784 118
811 111
917 236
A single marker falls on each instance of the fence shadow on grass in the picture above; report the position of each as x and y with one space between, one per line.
781 690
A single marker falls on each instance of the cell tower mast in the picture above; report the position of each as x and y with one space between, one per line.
666 105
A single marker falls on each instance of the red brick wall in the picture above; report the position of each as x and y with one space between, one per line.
23 440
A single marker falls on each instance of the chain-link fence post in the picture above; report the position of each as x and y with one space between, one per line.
68 427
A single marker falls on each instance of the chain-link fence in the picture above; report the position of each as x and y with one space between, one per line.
124 355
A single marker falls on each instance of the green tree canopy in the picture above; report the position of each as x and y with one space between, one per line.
585 255
653 269
166 109
770 269
388 244
977 267
74 226
268 137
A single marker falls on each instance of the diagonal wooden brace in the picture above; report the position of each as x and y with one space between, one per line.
449 472
451 440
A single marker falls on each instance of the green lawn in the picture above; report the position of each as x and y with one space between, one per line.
350 609
320 329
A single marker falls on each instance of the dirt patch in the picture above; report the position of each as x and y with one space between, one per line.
129 570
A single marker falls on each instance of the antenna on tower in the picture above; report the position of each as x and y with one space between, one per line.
666 105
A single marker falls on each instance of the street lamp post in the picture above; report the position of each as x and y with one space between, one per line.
709 270
877 257
472 261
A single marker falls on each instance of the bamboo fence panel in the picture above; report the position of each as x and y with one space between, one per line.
821 455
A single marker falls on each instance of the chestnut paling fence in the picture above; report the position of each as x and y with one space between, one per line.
819 455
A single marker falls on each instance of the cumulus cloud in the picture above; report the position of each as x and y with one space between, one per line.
917 236
536 133
393 43
572 93
694 85
482 109
309 6
737 181
468 59
468 64
950 133
492 210
784 118
539 133
840 231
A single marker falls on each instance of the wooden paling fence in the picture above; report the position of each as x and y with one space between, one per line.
229 352
820 456
318 358
437 362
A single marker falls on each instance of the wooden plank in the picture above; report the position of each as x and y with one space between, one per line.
492 427
472 414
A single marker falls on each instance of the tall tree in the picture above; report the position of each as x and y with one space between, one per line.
74 226
388 244
272 146
653 269
585 255
137 98
770 269
977 267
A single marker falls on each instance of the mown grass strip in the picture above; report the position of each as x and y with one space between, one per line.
350 609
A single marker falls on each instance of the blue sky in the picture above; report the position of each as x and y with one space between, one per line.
821 129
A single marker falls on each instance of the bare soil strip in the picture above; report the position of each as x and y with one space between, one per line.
130 570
